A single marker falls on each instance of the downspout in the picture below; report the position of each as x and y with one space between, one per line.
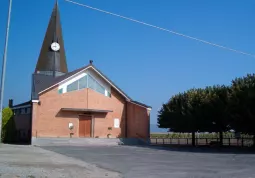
31 110
149 127
87 92
126 119
31 124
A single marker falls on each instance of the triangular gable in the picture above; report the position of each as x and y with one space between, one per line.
79 71
69 75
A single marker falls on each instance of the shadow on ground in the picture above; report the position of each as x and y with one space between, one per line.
203 149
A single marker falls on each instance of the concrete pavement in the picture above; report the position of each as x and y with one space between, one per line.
32 162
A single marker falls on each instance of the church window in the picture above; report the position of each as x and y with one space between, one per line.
93 84
72 87
83 82
86 82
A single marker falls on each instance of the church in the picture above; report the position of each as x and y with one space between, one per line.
83 103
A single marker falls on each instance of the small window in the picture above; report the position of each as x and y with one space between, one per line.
60 91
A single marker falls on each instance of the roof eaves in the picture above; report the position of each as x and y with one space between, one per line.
141 104
22 104
111 83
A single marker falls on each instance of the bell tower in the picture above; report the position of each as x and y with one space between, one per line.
52 58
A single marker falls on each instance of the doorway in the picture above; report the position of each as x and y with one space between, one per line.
85 124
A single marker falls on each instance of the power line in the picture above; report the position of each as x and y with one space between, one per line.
163 29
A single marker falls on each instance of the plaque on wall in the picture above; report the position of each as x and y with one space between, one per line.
116 123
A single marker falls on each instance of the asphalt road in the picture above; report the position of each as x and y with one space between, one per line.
137 162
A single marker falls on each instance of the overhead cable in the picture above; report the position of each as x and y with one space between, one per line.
163 29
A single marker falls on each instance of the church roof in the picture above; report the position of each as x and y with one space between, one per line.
43 84
49 60
22 104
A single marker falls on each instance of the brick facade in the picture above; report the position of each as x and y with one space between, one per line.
50 121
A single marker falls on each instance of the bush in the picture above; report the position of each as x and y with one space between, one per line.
8 126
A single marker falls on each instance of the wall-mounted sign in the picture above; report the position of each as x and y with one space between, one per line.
116 123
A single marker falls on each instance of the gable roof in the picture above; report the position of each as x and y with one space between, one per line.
52 82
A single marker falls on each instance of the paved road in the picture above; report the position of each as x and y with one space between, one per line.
138 162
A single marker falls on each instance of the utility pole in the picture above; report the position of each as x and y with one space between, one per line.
4 67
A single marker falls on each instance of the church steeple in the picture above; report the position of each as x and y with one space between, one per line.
52 59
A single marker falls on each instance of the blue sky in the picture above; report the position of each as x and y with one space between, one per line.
148 64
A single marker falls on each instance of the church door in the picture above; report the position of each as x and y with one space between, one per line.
85 126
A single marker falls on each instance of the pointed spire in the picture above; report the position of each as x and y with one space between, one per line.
52 59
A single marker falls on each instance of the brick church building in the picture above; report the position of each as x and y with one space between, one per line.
79 104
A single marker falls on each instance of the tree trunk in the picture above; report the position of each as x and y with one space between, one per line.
221 138
193 139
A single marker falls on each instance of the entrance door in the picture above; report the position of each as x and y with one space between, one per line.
85 126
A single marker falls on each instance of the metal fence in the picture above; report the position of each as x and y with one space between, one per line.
242 142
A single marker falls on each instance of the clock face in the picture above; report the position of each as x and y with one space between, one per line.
55 46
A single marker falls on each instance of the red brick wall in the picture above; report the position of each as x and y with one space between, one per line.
48 121
116 104
138 121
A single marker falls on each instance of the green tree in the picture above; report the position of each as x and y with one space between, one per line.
242 104
203 110
216 109
8 126
182 113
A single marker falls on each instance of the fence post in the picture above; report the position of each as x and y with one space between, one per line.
242 141
206 141
187 141
163 141
156 141
229 141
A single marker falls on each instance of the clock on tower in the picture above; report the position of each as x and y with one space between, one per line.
55 46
